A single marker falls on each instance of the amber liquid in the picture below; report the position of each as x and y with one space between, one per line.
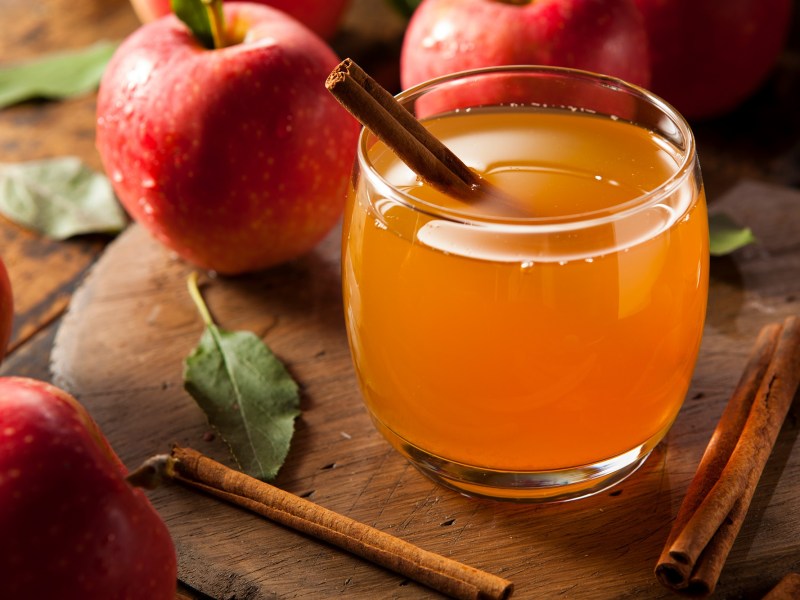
494 346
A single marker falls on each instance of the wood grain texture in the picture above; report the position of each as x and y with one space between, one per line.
120 350
43 272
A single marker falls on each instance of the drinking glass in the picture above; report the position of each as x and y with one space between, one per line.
536 350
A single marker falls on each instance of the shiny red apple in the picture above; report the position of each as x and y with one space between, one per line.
6 309
604 36
321 16
710 55
71 526
236 158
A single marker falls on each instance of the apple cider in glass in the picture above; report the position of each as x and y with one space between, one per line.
537 349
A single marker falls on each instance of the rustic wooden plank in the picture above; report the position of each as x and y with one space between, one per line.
129 376
43 275
43 272
27 360
33 28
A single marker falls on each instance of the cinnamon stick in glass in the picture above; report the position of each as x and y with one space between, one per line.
379 111
720 493
193 469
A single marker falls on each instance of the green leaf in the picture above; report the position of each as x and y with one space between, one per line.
59 197
199 16
54 76
245 391
725 235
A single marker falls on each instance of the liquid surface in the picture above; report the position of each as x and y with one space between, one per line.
508 349
541 161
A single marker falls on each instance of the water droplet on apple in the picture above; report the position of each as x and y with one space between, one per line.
146 207
139 74
149 183
117 176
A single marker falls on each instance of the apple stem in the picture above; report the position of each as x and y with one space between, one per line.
217 20
197 297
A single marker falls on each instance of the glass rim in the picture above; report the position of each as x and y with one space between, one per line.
573 222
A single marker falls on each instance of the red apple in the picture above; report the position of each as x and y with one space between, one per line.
321 16
709 55
604 36
71 526
6 310
236 158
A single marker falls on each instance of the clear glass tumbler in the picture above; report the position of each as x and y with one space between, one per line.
537 352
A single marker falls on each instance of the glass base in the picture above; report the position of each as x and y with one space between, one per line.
560 485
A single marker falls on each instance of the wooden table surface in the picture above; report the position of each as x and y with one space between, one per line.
760 141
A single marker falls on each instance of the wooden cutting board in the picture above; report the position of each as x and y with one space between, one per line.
120 351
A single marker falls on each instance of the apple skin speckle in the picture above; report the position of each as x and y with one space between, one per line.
240 155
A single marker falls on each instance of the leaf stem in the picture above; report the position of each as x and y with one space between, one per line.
197 298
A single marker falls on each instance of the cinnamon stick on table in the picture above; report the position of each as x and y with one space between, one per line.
720 493
788 588
193 469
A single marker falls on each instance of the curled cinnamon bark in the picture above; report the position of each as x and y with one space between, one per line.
788 588
720 493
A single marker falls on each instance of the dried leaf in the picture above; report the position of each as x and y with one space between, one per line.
59 197
246 393
725 235
58 75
